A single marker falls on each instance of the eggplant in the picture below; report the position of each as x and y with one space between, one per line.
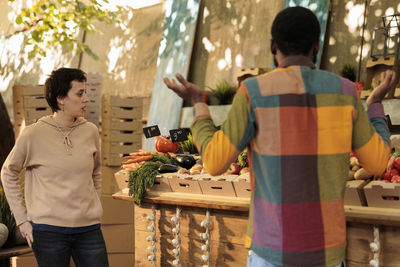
185 161
167 168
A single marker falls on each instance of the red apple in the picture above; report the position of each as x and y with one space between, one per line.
234 169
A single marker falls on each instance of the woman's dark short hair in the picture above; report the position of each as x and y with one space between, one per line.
295 30
59 83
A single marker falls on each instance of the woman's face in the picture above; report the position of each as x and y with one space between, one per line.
76 100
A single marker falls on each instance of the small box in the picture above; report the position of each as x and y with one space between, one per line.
161 184
116 211
382 194
121 259
354 194
185 184
217 185
242 185
122 179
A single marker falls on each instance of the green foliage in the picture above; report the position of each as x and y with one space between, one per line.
224 92
189 146
348 71
144 176
49 23
6 216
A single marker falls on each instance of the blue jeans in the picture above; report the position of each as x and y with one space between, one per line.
253 260
55 249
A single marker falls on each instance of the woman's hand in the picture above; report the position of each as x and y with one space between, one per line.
188 91
26 231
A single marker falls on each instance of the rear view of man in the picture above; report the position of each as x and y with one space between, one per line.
299 125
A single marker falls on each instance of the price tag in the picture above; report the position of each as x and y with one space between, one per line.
151 131
179 135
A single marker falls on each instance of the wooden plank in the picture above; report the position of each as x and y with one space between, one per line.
371 215
359 236
122 136
227 234
121 124
35 102
225 226
121 113
14 251
192 200
173 57
119 148
117 101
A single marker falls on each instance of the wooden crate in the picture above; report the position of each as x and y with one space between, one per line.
121 127
227 236
382 195
119 148
354 194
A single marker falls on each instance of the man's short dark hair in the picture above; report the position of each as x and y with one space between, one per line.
295 30
59 83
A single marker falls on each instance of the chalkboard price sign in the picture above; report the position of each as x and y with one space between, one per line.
179 135
151 131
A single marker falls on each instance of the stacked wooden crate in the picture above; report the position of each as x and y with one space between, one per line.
121 128
93 90
29 105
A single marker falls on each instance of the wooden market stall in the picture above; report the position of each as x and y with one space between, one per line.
228 222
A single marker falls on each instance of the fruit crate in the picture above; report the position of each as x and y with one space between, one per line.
29 105
354 194
382 194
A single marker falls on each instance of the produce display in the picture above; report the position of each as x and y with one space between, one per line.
392 175
143 167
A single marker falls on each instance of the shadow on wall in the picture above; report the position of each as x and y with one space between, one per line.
349 33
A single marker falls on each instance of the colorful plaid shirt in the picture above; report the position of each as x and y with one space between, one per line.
299 125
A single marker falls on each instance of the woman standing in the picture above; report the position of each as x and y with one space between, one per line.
60 215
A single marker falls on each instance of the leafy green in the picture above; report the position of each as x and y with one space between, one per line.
189 146
144 176
6 216
348 71
224 92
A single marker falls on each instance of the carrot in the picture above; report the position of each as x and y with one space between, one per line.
138 159
140 153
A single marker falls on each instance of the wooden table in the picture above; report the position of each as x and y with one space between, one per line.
229 227
7 253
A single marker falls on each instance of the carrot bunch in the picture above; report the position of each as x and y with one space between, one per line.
136 159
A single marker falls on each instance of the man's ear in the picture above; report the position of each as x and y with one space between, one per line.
273 47
316 48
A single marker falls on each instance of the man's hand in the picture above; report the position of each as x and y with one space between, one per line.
26 231
388 78
188 91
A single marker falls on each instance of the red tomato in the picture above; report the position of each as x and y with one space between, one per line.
387 176
164 144
396 163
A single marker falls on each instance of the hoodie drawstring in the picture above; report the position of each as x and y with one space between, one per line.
67 140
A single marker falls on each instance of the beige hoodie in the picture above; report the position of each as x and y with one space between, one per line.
63 174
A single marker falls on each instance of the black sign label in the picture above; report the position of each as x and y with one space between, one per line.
151 131
179 135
